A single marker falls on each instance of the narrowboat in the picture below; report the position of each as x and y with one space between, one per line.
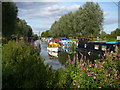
97 46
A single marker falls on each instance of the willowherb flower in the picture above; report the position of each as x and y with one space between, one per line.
92 72
104 80
90 65
99 87
115 74
68 56
88 74
103 63
81 64
117 77
108 75
96 66
114 70
94 77
110 84
72 62
78 86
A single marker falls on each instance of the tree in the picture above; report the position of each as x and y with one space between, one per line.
115 33
46 34
9 15
92 19
86 21
22 29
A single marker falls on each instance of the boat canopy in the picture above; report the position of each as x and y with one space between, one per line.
112 42
63 38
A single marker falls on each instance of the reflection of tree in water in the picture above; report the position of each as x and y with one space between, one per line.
52 57
63 57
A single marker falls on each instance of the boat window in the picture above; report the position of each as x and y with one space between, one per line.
96 47
85 45
104 48
50 45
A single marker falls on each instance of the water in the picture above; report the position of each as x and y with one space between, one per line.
51 61
58 60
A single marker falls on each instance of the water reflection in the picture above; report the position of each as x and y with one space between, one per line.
54 62
58 60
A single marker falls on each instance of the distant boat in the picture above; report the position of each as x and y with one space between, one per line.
54 47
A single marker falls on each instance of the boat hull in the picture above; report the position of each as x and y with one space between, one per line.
56 49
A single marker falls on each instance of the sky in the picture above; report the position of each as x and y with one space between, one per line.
41 15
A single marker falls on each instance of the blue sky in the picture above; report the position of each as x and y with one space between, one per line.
41 15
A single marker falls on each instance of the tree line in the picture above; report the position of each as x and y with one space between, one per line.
86 21
11 24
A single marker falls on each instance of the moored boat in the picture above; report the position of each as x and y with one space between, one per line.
54 47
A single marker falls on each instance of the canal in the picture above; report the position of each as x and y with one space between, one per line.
56 60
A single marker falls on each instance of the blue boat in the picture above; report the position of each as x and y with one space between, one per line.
112 42
63 38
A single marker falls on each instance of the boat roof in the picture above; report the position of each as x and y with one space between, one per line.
63 38
113 42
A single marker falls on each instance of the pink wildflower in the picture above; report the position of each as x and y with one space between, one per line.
78 86
114 70
90 65
94 77
108 75
88 74
103 63
92 72
99 87
115 74
104 80
72 62
96 66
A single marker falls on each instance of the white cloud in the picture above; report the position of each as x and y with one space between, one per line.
106 13
109 21
49 11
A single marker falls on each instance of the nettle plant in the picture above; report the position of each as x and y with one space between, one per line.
103 73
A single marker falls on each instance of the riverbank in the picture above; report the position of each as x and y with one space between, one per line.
24 68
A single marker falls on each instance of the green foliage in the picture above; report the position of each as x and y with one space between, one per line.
35 36
86 21
104 73
46 34
23 68
23 29
9 15
112 36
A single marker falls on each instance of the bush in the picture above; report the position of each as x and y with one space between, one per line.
104 73
23 68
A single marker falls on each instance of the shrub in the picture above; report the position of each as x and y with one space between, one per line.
23 68
104 73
